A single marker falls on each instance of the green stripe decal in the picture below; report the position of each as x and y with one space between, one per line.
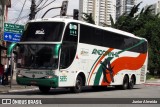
93 65
127 49
99 73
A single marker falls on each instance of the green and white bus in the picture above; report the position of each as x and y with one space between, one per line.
58 52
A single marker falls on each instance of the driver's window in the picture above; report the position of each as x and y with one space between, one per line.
69 45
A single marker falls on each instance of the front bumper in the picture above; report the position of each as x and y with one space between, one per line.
48 82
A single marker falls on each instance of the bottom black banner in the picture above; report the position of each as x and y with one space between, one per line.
80 100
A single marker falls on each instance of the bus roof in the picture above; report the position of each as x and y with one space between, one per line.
88 24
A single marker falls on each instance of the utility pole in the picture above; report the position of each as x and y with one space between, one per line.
33 10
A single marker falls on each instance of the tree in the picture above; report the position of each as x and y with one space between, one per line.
88 18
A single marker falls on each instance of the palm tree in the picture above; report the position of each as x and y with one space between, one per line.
88 18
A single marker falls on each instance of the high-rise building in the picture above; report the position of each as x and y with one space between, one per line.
154 7
100 9
124 6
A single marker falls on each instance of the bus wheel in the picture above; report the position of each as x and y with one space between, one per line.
1 80
44 89
125 83
131 83
78 85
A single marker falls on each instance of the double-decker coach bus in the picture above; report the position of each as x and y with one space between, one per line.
68 53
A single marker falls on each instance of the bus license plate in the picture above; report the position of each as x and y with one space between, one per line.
33 82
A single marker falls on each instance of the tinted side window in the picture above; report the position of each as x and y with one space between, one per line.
112 40
97 37
141 48
91 35
86 34
100 37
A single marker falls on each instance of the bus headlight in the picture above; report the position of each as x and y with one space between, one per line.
48 77
19 75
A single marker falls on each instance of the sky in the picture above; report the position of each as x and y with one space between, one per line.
16 7
147 2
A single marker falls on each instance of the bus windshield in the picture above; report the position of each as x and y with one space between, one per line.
38 56
43 31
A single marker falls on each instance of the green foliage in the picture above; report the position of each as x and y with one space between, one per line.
149 76
145 25
88 18
112 22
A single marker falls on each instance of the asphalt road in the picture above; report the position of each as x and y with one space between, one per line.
139 91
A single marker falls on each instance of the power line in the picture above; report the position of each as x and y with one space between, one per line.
39 13
16 4
49 10
44 3
39 3
20 12
45 6
26 16
21 2
17 10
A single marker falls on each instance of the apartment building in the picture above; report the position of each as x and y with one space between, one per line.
124 6
155 7
100 9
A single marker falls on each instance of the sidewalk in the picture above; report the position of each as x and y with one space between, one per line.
15 87
155 82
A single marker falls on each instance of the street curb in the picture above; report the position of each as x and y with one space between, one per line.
152 84
22 90
17 90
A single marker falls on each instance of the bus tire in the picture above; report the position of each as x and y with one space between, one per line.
78 86
125 83
131 83
44 89
1 80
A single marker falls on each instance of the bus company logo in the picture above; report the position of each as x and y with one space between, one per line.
40 32
6 101
103 52
84 52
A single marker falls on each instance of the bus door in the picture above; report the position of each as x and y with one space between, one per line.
68 53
